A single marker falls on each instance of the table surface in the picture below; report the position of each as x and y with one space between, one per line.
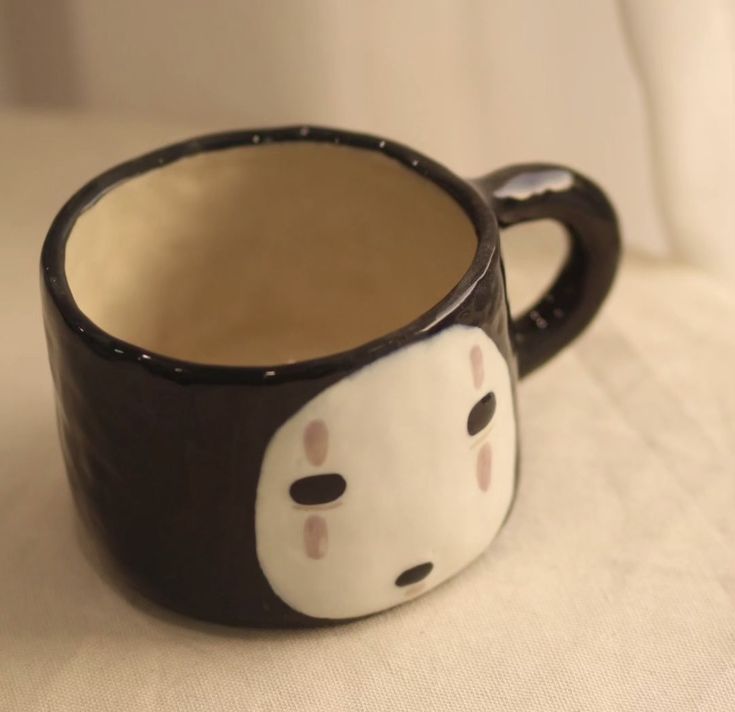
612 586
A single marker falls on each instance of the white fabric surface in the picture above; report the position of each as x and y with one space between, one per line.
612 586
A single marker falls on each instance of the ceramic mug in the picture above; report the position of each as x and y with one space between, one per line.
285 366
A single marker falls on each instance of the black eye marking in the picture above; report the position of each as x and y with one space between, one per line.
318 489
481 414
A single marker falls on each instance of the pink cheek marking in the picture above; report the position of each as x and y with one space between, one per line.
316 442
484 466
478 368
315 537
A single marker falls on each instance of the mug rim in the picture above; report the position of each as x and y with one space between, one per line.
105 344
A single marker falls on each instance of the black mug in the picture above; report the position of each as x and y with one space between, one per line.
285 365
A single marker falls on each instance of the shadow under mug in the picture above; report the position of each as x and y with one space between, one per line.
285 366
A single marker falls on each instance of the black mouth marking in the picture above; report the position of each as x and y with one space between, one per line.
414 574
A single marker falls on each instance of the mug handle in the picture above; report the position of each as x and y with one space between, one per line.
537 191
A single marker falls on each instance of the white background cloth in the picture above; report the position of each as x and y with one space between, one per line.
638 93
474 83
612 586
685 51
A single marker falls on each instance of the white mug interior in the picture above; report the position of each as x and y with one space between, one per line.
267 254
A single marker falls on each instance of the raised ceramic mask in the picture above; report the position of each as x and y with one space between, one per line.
391 480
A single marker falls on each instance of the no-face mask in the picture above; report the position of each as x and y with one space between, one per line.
391 480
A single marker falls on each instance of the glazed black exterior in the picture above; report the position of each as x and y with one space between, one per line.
163 456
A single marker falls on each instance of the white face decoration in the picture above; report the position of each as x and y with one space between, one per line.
391 480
